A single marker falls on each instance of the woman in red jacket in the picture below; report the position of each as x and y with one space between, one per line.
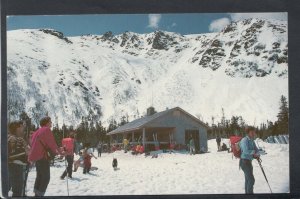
42 142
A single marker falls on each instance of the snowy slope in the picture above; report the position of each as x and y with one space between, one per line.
242 69
176 173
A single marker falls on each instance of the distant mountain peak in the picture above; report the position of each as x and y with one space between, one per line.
105 76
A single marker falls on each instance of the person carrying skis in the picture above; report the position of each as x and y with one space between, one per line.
249 152
192 146
43 144
218 140
17 158
68 145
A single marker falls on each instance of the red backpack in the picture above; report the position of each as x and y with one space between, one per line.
68 144
235 147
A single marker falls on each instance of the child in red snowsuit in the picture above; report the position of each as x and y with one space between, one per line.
87 163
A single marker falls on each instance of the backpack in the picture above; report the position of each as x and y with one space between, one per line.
235 146
68 144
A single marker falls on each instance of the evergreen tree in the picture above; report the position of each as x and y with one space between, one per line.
234 125
28 125
112 125
124 120
223 118
283 116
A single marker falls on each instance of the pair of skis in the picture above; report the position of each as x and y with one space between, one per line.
156 143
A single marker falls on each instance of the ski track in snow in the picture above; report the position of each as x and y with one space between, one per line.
176 173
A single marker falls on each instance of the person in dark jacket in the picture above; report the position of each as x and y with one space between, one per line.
17 158
249 152
99 149
43 142
225 148
115 163
218 140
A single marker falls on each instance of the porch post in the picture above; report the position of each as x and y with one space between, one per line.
144 137
200 137
132 137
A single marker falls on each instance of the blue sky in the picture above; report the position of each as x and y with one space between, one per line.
73 25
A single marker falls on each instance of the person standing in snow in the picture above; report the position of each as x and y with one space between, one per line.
99 148
68 145
192 146
87 156
43 142
249 152
218 140
17 158
77 145
125 144
79 162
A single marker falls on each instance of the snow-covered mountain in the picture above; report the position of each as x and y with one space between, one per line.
243 69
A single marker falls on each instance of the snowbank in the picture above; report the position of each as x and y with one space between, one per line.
176 173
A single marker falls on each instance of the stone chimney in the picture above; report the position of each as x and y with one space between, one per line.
150 111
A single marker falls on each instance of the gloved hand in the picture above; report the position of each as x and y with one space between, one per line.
256 156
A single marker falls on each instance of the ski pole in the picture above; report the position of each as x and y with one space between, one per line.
262 169
25 181
67 176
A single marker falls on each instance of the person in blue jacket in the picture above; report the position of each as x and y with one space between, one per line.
249 151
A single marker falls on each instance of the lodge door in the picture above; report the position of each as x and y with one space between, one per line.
195 135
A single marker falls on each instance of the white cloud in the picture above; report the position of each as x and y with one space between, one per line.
272 15
154 20
174 24
219 24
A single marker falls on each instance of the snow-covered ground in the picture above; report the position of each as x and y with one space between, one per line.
176 173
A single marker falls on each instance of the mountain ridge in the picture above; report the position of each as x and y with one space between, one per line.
108 76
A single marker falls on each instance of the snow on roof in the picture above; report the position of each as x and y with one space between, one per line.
141 122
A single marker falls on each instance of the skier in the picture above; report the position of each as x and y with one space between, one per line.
192 146
218 140
69 147
249 151
99 148
17 158
43 143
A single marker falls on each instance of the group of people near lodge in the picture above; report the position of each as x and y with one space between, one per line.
42 147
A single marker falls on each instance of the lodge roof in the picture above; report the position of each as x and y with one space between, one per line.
143 121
